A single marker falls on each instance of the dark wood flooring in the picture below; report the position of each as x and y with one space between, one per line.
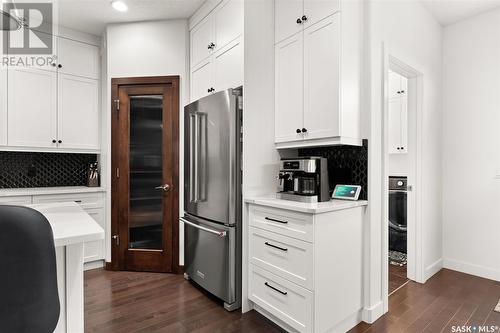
126 302
397 277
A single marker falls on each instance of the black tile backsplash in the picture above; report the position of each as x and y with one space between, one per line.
346 164
27 169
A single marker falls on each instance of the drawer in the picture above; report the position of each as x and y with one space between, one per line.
287 257
285 300
86 200
17 200
284 222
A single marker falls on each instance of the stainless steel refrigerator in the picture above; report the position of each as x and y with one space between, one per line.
212 194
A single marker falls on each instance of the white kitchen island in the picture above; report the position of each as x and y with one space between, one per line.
71 227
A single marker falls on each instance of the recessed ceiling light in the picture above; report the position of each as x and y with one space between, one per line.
119 5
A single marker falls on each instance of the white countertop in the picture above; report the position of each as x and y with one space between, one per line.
11 192
311 208
70 223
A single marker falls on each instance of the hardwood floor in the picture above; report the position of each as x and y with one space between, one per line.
127 302
397 277
448 299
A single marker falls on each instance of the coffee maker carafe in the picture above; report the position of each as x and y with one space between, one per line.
304 179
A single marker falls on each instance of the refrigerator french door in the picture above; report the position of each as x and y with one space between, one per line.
212 194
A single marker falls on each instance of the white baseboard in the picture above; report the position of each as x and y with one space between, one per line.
369 315
433 269
93 265
472 269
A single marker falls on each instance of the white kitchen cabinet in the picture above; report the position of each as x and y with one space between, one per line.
397 114
201 80
3 107
292 16
77 58
228 66
289 87
16 200
398 85
201 39
78 112
322 79
287 14
217 50
94 250
32 108
316 10
228 22
298 275
323 101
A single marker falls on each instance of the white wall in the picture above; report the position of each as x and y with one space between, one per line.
471 145
155 48
260 158
414 37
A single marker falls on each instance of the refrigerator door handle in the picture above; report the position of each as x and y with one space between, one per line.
196 156
215 232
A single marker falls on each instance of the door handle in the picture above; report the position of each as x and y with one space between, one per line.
197 226
164 187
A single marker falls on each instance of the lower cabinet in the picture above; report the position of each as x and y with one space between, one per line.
92 203
305 270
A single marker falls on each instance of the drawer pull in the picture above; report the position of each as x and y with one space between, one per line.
274 220
276 247
78 201
275 289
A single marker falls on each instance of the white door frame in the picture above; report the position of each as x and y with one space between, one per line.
415 265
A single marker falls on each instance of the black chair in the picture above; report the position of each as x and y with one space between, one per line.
29 300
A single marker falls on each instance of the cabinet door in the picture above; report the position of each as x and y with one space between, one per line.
316 10
94 250
201 80
78 58
286 14
394 126
404 125
32 108
322 79
3 107
289 89
228 66
394 85
201 37
78 112
228 22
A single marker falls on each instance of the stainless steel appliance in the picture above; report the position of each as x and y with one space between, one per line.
398 214
212 194
304 179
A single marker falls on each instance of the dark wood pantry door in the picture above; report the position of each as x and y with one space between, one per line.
145 174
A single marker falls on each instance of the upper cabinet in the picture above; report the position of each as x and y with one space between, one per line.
398 114
53 108
318 63
77 58
217 50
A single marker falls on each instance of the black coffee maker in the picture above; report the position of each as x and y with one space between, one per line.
304 179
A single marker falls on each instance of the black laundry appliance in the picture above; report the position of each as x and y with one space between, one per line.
398 214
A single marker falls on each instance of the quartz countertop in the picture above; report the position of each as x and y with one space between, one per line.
70 223
11 192
311 208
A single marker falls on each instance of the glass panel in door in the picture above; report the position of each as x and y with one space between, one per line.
146 172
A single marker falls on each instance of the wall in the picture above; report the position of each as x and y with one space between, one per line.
260 158
471 145
414 37
145 49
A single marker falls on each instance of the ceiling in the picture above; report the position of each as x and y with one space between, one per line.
448 12
92 16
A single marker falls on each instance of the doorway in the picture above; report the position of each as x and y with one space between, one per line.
145 174
401 175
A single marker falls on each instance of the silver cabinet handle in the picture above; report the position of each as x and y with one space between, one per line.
164 187
215 232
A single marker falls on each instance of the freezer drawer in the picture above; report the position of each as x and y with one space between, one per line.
210 256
